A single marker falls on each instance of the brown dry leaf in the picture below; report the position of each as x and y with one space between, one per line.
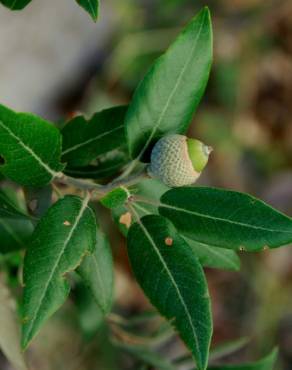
126 219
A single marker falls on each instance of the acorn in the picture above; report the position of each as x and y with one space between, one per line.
178 160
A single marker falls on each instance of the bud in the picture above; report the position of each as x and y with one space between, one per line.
177 160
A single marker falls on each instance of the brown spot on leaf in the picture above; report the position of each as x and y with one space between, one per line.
126 219
168 241
66 223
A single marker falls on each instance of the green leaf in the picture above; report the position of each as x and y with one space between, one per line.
61 239
115 198
84 140
147 356
210 256
91 6
15 4
96 271
90 316
8 209
167 270
15 226
30 148
9 330
14 234
107 165
166 99
149 188
266 363
225 218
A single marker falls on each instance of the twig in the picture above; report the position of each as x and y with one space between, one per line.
98 189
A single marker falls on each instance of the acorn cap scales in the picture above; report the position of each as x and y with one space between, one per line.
177 160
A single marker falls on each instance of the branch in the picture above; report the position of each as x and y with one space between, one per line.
103 189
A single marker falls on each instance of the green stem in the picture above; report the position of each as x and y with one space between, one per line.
139 199
78 183
142 209
134 213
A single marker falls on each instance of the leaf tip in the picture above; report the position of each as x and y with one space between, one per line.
94 17
206 9
204 12
205 15
200 366
24 343
94 12
26 336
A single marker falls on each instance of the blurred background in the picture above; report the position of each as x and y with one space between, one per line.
54 60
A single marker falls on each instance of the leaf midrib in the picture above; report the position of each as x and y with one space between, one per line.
29 150
156 249
92 8
66 242
213 218
89 141
172 93
13 4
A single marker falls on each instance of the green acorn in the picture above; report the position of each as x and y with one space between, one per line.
177 160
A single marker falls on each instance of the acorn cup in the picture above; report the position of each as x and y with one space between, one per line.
178 160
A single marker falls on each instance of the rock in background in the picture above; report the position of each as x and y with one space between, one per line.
43 49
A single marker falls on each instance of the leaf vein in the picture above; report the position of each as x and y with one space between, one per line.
164 205
179 79
80 145
29 150
180 297
66 242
